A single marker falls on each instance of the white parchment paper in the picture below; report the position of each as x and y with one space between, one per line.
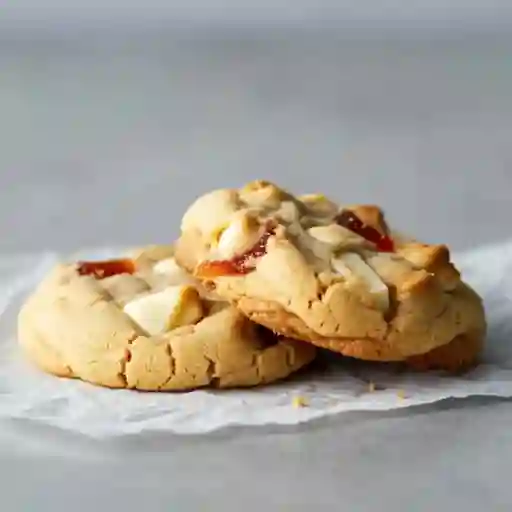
341 386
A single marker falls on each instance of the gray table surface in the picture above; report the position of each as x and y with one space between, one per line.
105 142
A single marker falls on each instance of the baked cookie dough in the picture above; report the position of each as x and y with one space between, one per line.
461 354
143 323
338 277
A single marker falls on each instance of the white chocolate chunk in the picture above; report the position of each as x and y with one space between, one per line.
288 212
172 271
336 235
211 211
166 310
352 266
166 273
240 235
261 194
319 205
312 198
123 287
316 252
150 254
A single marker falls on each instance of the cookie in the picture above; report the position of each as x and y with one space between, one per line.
143 323
460 355
335 276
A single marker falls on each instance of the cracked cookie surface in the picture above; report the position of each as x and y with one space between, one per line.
144 323
338 277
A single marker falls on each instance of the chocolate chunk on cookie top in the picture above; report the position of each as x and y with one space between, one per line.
337 276
142 322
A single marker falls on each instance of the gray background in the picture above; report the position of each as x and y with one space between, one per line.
35 15
106 138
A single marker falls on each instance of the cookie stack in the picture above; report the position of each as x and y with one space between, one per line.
257 280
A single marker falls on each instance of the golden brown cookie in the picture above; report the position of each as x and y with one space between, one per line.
335 276
143 323
460 355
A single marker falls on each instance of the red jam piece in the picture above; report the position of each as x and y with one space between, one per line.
212 269
350 220
239 265
108 268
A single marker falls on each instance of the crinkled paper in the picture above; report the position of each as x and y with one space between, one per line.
343 385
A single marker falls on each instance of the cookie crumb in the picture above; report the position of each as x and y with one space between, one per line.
401 394
299 401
